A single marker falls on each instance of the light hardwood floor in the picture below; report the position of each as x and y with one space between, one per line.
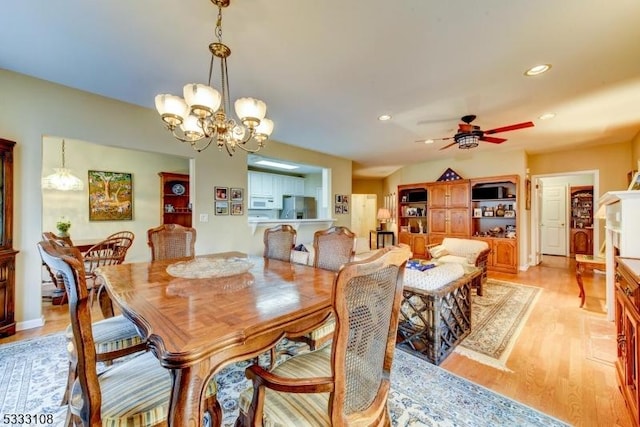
561 362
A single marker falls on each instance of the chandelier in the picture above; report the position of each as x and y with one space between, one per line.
202 116
62 179
466 141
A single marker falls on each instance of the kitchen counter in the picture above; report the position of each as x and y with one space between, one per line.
254 223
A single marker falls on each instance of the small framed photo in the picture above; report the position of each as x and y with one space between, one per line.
488 213
635 182
236 208
236 194
477 212
222 208
509 214
222 193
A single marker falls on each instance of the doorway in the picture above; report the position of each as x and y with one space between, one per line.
566 179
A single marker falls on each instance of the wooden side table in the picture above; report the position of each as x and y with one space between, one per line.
586 263
380 235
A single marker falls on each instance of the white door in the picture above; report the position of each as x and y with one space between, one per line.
363 214
553 225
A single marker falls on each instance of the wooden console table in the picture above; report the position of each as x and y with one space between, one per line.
586 263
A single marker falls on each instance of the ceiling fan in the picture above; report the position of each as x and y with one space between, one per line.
468 135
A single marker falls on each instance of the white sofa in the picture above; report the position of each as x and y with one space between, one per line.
468 252
361 251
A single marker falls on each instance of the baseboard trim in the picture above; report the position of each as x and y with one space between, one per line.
30 324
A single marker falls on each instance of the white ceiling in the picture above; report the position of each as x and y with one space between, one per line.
327 69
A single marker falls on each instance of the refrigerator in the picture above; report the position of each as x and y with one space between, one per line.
298 207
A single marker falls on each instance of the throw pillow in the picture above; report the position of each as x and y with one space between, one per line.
438 251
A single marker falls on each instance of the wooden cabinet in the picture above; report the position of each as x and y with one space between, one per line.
7 253
581 241
174 199
504 254
581 220
448 210
417 242
494 213
412 218
627 317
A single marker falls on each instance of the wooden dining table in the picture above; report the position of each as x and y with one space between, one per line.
195 327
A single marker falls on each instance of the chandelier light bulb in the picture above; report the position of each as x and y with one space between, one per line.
202 100
172 108
192 129
250 111
264 129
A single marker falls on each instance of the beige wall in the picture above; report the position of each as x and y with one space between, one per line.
635 152
31 109
81 157
612 160
370 186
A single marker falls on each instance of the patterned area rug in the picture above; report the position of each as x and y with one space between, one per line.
497 319
33 375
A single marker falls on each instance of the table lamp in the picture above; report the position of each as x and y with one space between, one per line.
383 216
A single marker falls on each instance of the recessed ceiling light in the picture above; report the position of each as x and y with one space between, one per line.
538 69
547 116
276 164
384 117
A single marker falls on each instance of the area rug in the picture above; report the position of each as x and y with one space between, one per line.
497 319
33 375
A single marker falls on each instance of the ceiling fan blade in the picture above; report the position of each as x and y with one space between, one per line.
432 139
449 145
508 128
492 139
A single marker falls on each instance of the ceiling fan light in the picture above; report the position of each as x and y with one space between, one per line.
202 100
466 142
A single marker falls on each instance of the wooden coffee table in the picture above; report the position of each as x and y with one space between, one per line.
586 263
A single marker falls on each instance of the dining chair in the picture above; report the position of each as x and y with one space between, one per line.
279 241
333 247
171 241
131 392
348 382
110 251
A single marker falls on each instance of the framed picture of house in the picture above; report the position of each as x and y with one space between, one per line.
110 196
635 182
222 208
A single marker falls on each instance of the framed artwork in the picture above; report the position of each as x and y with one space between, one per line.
222 193
236 194
237 208
635 182
527 194
477 212
341 204
110 196
509 214
222 208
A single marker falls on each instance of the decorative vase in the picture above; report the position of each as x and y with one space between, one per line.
500 210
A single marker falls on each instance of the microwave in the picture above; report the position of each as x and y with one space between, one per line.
262 203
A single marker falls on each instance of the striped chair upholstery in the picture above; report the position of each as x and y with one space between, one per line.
279 241
346 383
134 392
114 337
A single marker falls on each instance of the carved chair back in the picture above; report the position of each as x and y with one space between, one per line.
333 247
170 241
279 241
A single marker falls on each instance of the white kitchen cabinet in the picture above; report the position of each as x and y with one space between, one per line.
278 186
260 184
293 186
